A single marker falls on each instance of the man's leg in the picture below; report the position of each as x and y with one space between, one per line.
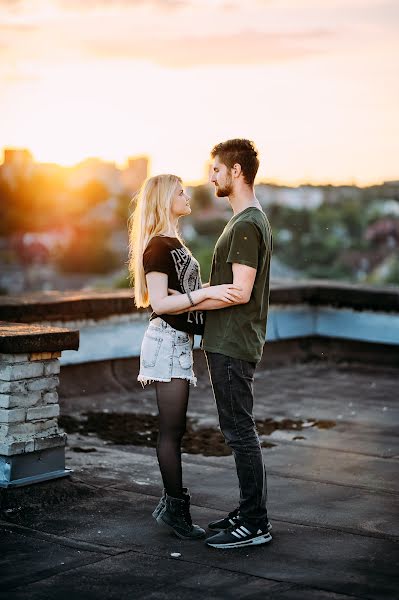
232 383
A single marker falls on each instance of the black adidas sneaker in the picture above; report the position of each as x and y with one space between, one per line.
232 519
239 535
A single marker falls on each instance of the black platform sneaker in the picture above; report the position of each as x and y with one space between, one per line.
231 519
239 535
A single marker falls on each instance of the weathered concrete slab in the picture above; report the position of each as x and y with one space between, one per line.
292 497
368 441
307 555
26 559
343 393
154 577
333 509
346 468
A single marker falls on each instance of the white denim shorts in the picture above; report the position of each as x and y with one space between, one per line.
166 354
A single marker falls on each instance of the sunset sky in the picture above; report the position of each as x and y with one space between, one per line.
314 83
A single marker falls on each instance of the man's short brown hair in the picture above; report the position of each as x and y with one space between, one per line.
239 151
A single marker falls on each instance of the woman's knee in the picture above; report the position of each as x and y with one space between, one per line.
175 434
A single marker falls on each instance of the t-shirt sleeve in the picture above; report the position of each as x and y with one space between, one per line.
244 245
156 257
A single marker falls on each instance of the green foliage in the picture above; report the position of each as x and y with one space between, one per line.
202 248
393 276
201 198
316 241
123 282
326 242
88 252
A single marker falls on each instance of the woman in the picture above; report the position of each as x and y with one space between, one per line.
166 276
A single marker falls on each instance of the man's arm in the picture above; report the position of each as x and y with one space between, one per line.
164 303
243 277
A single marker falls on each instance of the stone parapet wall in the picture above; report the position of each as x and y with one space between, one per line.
29 402
88 306
32 447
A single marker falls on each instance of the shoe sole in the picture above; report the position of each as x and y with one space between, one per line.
168 527
269 528
261 539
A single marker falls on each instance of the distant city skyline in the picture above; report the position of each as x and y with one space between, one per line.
139 167
313 83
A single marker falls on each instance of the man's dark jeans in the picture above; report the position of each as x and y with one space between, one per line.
232 382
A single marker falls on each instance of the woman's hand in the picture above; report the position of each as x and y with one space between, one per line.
226 292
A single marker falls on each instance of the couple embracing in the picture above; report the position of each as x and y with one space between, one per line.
230 313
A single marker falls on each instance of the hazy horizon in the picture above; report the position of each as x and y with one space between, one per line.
124 164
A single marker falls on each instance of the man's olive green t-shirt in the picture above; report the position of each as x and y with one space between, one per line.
239 331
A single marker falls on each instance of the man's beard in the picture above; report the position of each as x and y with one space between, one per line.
227 189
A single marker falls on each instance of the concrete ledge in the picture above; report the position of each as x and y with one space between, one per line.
112 329
20 338
122 339
337 294
65 306
73 306
304 321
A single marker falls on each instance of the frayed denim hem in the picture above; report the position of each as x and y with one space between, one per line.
146 380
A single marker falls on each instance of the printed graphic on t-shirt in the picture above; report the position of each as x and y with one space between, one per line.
188 275
186 269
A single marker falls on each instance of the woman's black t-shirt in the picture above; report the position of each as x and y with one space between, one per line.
168 255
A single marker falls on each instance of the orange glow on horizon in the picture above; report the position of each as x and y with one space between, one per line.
123 163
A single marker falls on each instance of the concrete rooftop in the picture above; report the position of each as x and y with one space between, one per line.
333 498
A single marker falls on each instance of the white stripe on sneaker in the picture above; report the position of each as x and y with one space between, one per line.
236 534
232 522
245 529
243 532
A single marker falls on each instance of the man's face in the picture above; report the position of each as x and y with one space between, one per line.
221 178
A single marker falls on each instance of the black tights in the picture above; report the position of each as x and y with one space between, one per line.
172 399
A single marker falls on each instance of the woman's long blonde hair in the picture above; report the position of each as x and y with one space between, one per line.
151 217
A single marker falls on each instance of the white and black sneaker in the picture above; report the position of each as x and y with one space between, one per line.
239 535
232 519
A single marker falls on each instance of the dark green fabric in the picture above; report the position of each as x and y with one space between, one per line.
240 331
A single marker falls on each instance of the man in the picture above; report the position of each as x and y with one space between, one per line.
234 337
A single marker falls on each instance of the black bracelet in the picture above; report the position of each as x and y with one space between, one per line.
190 298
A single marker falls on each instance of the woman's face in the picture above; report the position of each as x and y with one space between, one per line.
180 203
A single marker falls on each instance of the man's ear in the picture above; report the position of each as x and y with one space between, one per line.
236 170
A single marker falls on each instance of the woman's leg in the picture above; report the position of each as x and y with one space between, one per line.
172 399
